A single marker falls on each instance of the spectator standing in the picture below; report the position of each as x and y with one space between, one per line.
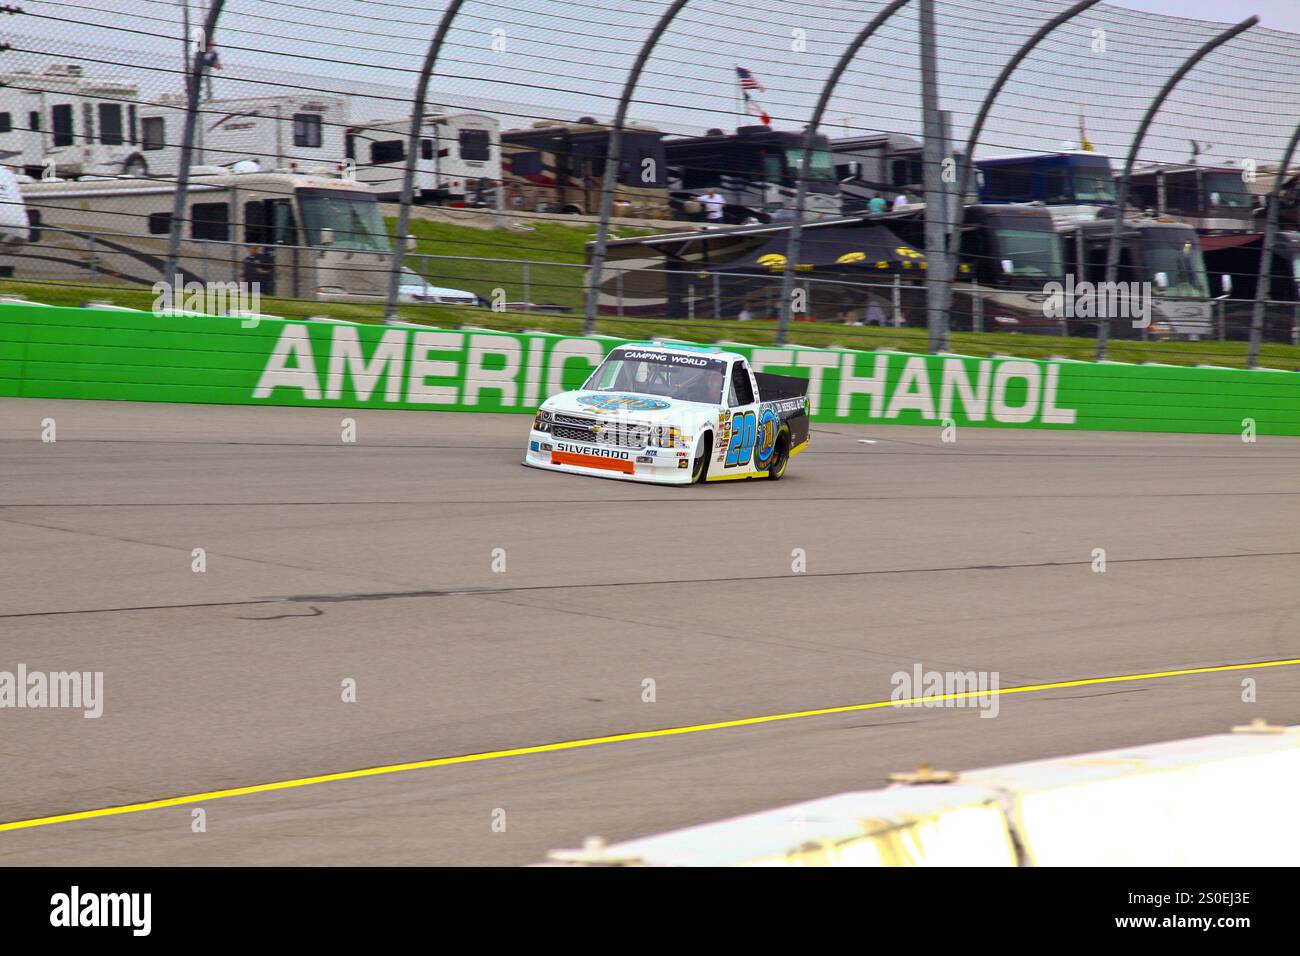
714 203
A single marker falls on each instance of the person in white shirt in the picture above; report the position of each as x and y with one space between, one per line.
900 200
745 314
713 202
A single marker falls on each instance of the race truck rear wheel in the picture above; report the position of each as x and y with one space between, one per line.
780 454
700 467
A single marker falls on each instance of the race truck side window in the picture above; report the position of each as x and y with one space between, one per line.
741 391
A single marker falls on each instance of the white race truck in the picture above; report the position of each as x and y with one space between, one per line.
673 414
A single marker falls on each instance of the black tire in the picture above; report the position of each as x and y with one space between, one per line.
135 165
780 455
700 467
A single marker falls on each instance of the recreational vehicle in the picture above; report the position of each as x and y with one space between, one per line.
1158 254
1232 261
756 169
560 167
61 122
884 164
850 268
323 238
459 161
290 133
1080 181
1212 199
14 225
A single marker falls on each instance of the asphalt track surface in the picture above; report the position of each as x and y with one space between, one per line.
372 562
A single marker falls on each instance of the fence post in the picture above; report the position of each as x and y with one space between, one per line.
977 308
528 295
620 291
193 84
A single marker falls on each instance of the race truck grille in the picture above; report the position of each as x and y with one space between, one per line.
597 432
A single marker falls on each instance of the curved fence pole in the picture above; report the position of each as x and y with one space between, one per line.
1121 194
412 146
614 159
1266 254
967 162
801 192
193 86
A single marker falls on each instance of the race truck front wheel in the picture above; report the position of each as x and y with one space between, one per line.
780 454
700 467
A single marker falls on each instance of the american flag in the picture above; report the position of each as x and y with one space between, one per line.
748 81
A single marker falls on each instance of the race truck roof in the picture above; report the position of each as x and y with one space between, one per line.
678 348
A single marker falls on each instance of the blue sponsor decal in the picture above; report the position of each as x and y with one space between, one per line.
624 403
768 424
534 446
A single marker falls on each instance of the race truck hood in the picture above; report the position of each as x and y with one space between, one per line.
631 406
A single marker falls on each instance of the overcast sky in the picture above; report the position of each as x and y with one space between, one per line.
1280 14
531 59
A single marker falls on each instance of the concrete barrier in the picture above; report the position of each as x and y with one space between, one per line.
1226 800
52 352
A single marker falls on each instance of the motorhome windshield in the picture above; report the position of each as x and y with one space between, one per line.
353 216
1226 189
1032 253
1094 184
822 166
1179 258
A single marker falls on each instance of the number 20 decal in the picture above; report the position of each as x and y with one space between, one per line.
742 440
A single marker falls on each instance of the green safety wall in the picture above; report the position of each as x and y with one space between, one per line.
49 352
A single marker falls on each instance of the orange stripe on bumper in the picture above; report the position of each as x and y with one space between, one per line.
591 461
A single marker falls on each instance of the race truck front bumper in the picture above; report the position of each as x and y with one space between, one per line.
666 466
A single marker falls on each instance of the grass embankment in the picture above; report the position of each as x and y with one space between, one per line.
553 283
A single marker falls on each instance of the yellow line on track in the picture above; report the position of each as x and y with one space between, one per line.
613 738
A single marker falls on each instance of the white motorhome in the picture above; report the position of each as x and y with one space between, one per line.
13 211
291 133
459 162
324 237
61 122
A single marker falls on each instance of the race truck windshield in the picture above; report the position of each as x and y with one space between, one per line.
687 378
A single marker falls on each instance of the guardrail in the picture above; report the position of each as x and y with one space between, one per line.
55 352
1223 800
